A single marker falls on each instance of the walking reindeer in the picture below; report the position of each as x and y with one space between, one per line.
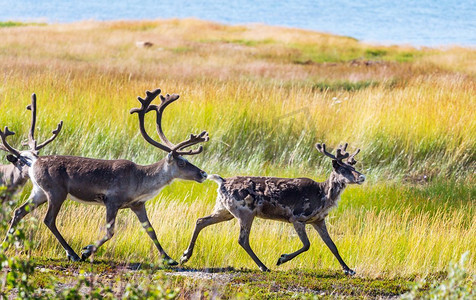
299 201
14 176
115 184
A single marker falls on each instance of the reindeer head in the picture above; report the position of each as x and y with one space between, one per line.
344 171
176 163
23 159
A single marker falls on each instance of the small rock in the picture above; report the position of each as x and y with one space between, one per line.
144 44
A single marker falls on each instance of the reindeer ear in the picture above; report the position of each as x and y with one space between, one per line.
12 158
335 164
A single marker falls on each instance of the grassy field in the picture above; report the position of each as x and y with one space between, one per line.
266 95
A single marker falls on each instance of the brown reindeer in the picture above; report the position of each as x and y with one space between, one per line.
299 201
115 184
14 176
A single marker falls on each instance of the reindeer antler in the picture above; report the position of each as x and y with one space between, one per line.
6 147
32 143
340 156
194 139
341 153
31 134
145 108
165 101
169 147
351 160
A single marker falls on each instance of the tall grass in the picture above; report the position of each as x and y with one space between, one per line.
266 95
418 129
379 231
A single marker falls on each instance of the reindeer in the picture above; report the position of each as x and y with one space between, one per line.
14 176
115 184
299 201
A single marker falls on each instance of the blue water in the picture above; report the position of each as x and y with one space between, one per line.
419 23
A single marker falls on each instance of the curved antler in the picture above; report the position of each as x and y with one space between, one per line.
55 134
32 143
194 139
160 109
6 147
145 108
169 147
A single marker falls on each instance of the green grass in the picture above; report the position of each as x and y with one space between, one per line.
344 85
375 53
244 42
112 279
228 282
15 24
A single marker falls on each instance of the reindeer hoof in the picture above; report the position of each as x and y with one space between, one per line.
167 261
281 260
87 251
264 269
73 257
183 259
349 272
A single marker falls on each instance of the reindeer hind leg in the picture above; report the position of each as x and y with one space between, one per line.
220 214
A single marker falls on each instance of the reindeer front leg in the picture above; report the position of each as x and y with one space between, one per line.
141 214
321 228
246 220
111 213
37 198
55 200
301 231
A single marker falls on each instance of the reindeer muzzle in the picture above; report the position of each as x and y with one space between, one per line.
360 179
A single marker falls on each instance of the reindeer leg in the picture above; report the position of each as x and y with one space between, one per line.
37 198
111 213
141 214
321 228
54 205
301 231
220 214
246 221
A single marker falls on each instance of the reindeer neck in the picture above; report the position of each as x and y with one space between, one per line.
160 170
159 173
333 187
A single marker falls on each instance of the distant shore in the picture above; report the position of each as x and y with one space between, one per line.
10 23
405 22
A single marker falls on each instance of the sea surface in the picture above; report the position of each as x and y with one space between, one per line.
413 22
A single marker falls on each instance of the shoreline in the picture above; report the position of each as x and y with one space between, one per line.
370 42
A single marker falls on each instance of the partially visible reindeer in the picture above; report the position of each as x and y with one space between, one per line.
14 176
115 184
299 201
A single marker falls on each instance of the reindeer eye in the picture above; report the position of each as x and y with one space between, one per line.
181 163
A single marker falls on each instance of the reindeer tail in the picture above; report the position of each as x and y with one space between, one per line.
217 178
